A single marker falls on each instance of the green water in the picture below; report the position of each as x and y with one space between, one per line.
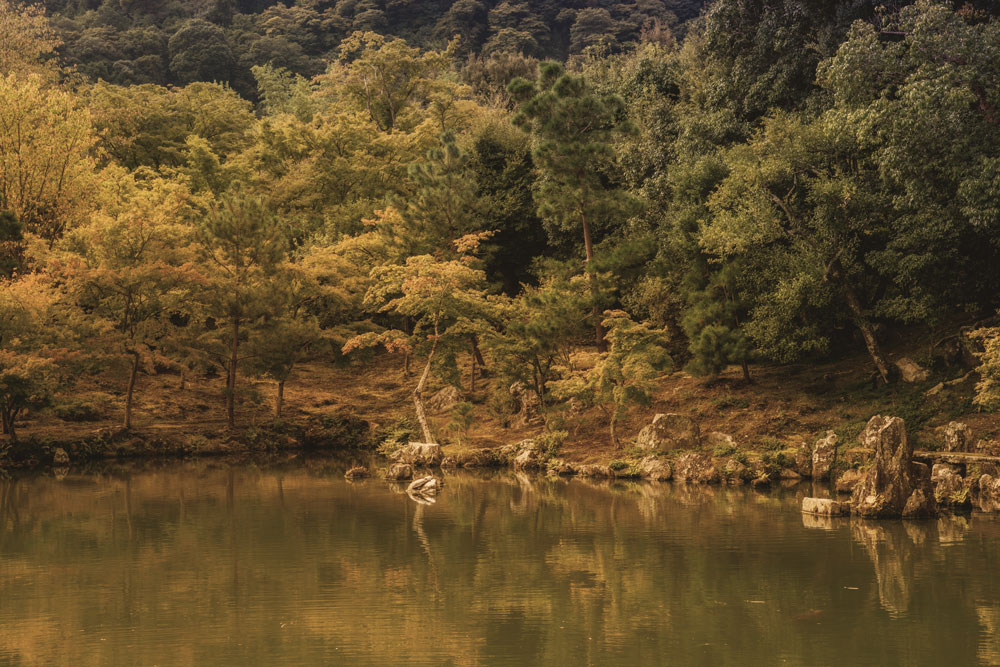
289 564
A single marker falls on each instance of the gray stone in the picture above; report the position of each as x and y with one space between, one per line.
419 454
528 459
425 486
669 432
911 371
399 472
695 467
950 489
823 456
894 486
954 437
825 507
655 469
60 457
848 480
529 405
444 400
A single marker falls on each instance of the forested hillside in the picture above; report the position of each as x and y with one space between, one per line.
180 41
220 191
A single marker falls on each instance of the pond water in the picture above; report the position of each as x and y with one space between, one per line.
288 563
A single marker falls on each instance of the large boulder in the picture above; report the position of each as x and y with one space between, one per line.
823 456
655 468
695 467
825 507
894 486
954 437
911 371
668 432
419 454
444 400
529 405
399 472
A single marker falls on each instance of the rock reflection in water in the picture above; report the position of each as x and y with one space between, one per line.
290 564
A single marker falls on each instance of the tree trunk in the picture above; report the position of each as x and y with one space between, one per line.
130 392
614 434
602 344
279 402
746 371
479 357
472 377
867 332
231 378
418 401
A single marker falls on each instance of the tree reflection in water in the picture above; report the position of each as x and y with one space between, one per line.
287 563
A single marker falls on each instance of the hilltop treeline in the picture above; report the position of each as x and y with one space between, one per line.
176 42
781 181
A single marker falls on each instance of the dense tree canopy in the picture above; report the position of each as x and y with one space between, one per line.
231 187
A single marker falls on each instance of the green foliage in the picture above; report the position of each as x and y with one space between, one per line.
624 375
81 408
988 387
550 441
462 418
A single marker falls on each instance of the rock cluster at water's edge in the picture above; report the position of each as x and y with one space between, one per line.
894 486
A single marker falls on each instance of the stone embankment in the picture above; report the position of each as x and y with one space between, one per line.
883 476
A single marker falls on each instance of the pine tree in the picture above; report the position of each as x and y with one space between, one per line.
573 129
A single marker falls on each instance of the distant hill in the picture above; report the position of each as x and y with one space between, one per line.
179 41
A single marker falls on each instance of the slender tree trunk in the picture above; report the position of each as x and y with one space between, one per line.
231 379
746 371
279 402
614 430
478 354
472 378
418 401
130 392
602 344
835 270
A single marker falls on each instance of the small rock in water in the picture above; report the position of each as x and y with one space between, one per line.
357 472
60 457
425 486
825 507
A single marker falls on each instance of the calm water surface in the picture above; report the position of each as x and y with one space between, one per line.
289 564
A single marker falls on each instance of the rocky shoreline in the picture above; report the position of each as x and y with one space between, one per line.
879 479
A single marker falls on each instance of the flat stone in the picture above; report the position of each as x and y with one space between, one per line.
825 507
